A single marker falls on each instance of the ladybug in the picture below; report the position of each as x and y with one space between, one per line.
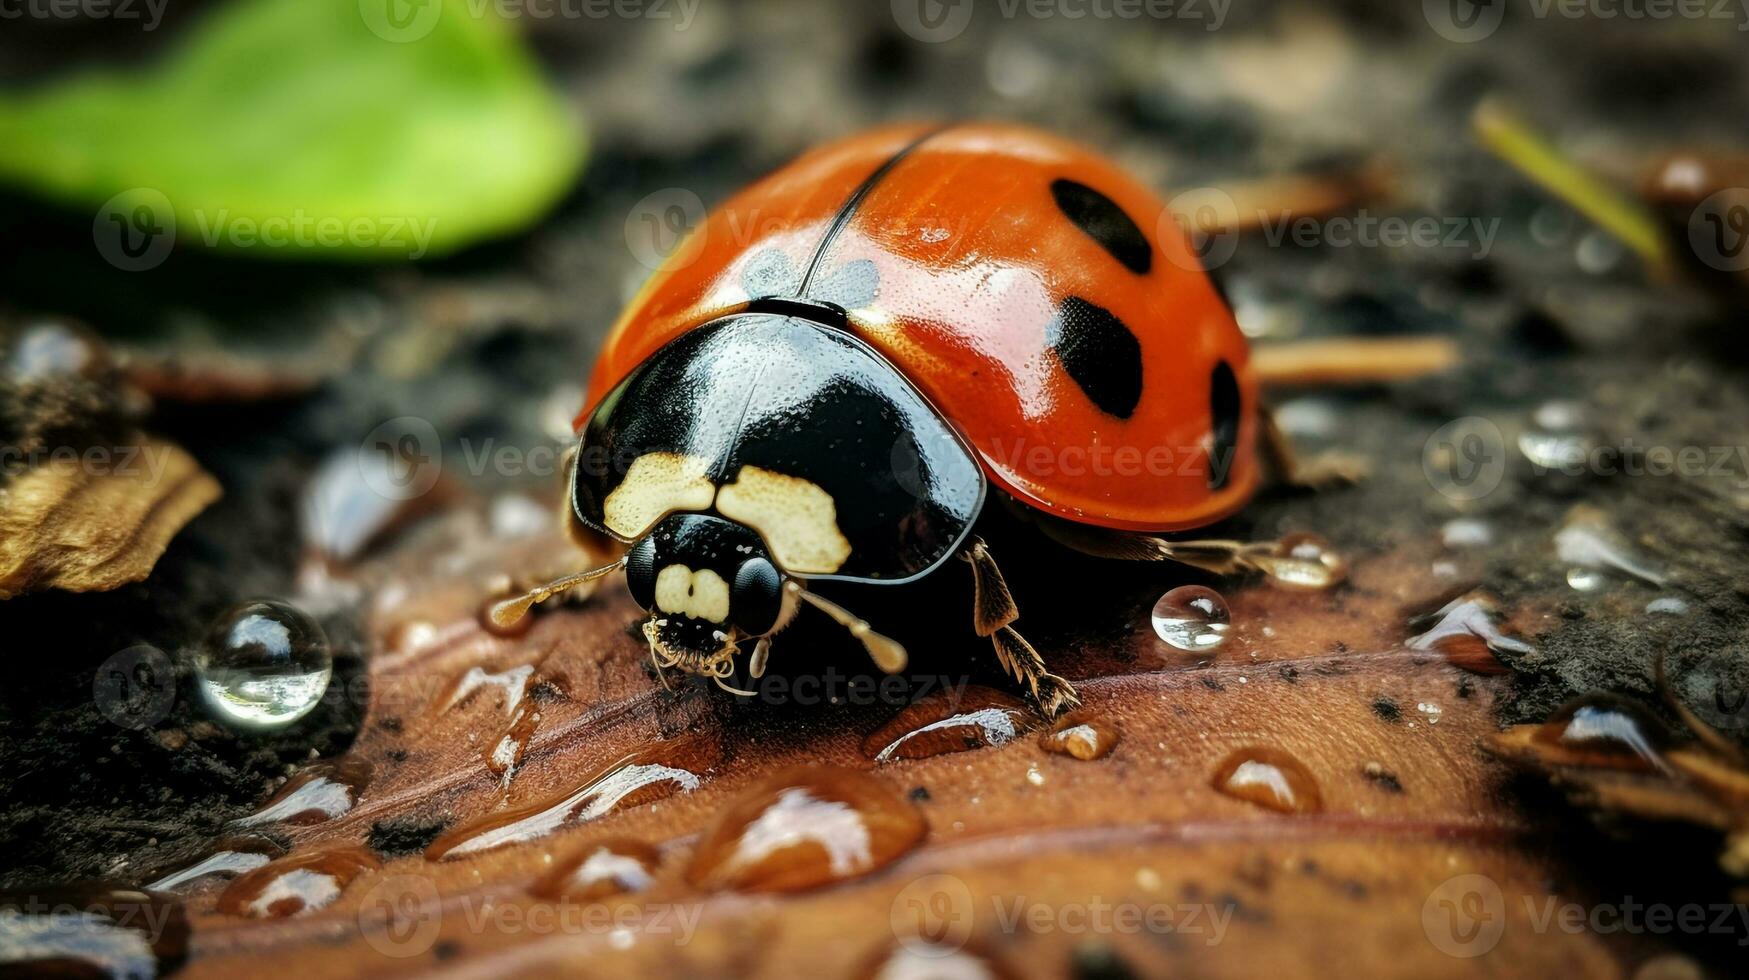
833 376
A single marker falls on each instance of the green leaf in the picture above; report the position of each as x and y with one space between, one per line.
311 128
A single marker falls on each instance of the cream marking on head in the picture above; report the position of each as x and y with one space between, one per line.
655 485
702 594
797 519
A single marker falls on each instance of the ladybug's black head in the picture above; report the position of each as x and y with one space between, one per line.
707 583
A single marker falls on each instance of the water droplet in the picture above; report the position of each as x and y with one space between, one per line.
264 665
515 515
942 957
1192 618
231 857
506 754
1586 579
1597 253
1670 966
54 347
1430 711
637 779
341 513
1588 543
1466 532
91 930
319 792
975 718
601 870
1465 633
1269 778
804 827
1303 563
1607 730
1081 736
512 685
1559 438
1667 606
295 885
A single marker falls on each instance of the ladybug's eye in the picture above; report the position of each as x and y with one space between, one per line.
641 572
757 597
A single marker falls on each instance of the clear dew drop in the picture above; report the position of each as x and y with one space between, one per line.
264 665
1586 579
317 794
1466 532
1303 562
1607 730
296 885
1559 437
1080 735
603 869
229 858
1667 606
1192 618
653 773
91 931
1269 778
976 718
805 827
1467 633
1591 547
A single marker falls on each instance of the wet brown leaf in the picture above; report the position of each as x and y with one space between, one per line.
99 519
1393 738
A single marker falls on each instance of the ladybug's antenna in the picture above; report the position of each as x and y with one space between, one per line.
887 653
508 612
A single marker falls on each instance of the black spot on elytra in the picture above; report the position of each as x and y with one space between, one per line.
1224 423
1101 354
1104 222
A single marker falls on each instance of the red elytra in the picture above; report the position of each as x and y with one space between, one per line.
1048 305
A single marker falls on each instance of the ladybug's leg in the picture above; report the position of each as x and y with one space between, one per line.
1322 470
993 610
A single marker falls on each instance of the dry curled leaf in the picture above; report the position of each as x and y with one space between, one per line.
97 518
